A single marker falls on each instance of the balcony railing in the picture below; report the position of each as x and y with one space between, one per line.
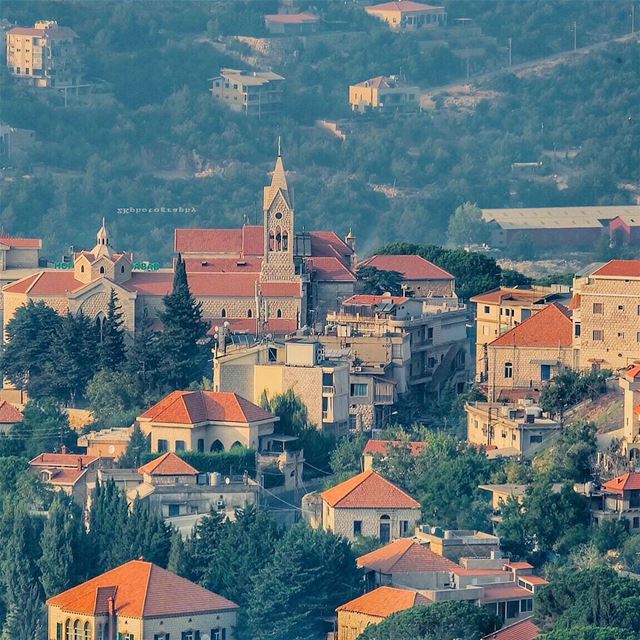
328 390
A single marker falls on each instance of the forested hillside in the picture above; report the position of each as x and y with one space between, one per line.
140 141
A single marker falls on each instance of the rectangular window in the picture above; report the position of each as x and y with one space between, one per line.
636 523
620 307
59 631
576 331
598 308
545 372
359 390
513 608
357 527
638 336
535 439
404 527
508 370
327 379
598 335
163 446
620 334
487 309
180 445
526 605
174 510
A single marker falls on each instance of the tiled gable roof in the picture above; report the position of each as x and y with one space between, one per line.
505 294
551 327
193 407
140 589
61 460
633 372
9 414
20 243
368 490
168 464
293 18
369 299
505 591
330 269
46 283
627 482
385 601
405 555
382 447
620 269
410 266
522 630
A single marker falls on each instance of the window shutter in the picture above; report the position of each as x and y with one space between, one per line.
224 633
196 635
59 631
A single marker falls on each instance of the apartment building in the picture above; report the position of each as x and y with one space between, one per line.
406 15
297 364
250 92
630 384
384 93
420 343
292 24
607 316
618 499
44 55
502 309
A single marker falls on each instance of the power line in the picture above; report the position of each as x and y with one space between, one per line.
308 464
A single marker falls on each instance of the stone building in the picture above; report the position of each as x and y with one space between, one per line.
44 55
384 93
406 15
292 24
250 92
138 601
630 384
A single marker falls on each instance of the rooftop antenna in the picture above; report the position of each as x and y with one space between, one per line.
279 147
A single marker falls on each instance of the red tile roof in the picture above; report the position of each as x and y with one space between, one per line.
405 555
9 414
329 244
140 589
504 294
384 601
620 269
368 490
633 372
537 581
505 591
627 482
20 243
168 464
329 269
275 326
292 18
522 630
46 283
381 447
366 299
56 32
402 5
551 327
518 565
65 477
224 265
62 460
411 267
159 283
193 407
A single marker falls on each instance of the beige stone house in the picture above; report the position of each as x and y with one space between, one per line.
10 416
384 93
251 92
408 15
205 421
523 359
368 505
300 365
381 449
630 384
44 55
140 601
619 499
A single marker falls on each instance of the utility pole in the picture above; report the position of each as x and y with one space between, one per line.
468 68
633 18
510 51
575 35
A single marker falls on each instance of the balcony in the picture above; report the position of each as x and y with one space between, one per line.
328 390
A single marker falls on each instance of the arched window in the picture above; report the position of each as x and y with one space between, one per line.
279 313
236 445
278 239
77 631
101 269
122 269
508 370
87 631
223 313
200 445
249 313
81 268
67 630
285 241
217 447
271 241
385 529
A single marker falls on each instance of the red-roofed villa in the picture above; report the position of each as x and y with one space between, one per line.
408 15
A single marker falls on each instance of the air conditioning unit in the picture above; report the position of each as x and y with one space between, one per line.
357 369
220 504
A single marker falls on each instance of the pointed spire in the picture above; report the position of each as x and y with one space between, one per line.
102 242
279 147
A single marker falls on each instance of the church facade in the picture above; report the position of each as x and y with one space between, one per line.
261 279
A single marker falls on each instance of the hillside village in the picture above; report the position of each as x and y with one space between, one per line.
273 431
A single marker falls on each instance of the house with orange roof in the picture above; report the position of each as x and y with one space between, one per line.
138 601
373 607
406 15
365 505
618 499
606 320
10 416
292 24
524 629
502 309
384 93
629 382
205 421
420 278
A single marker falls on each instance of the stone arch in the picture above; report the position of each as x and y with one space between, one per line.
249 313
87 631
236 445
216 447
102 270
223 313
285 240
279 313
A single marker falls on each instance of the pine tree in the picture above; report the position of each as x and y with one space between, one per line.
144 358
64 549
112 346
177 557
202 546
148 535
27 620
184 343
137 447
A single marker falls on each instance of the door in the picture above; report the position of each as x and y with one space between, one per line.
385 529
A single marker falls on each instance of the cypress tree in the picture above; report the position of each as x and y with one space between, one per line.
149 536
184 343
112 347
144 357
177 557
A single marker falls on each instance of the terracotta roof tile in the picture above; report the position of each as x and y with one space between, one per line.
505 591
505 294
385 601
193 407
633 372
402 5
551 327
63 460
168 464
411 267
275 326
46 283
330 269
368 490
620 269
405 555
224 265
9 414
522 630
518 565
57 32
329 244
248 241
292 18
366 299
381 447
20 243
141 589
627 482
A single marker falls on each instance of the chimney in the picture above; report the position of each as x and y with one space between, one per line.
79 463
64 449
111 607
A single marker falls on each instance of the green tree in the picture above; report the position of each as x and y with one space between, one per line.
138 447
375 281
112 351
177 562
144 358
631 553
64 549
201 548
45 428
571 456
515 537
610 534
589 632
147 534
184 343
27 350
466 226
440 621
114 398
346 458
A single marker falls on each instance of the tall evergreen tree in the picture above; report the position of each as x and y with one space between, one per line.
184 343
144 359
149 536
202 546
138 445
64 549
112 346
177 557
